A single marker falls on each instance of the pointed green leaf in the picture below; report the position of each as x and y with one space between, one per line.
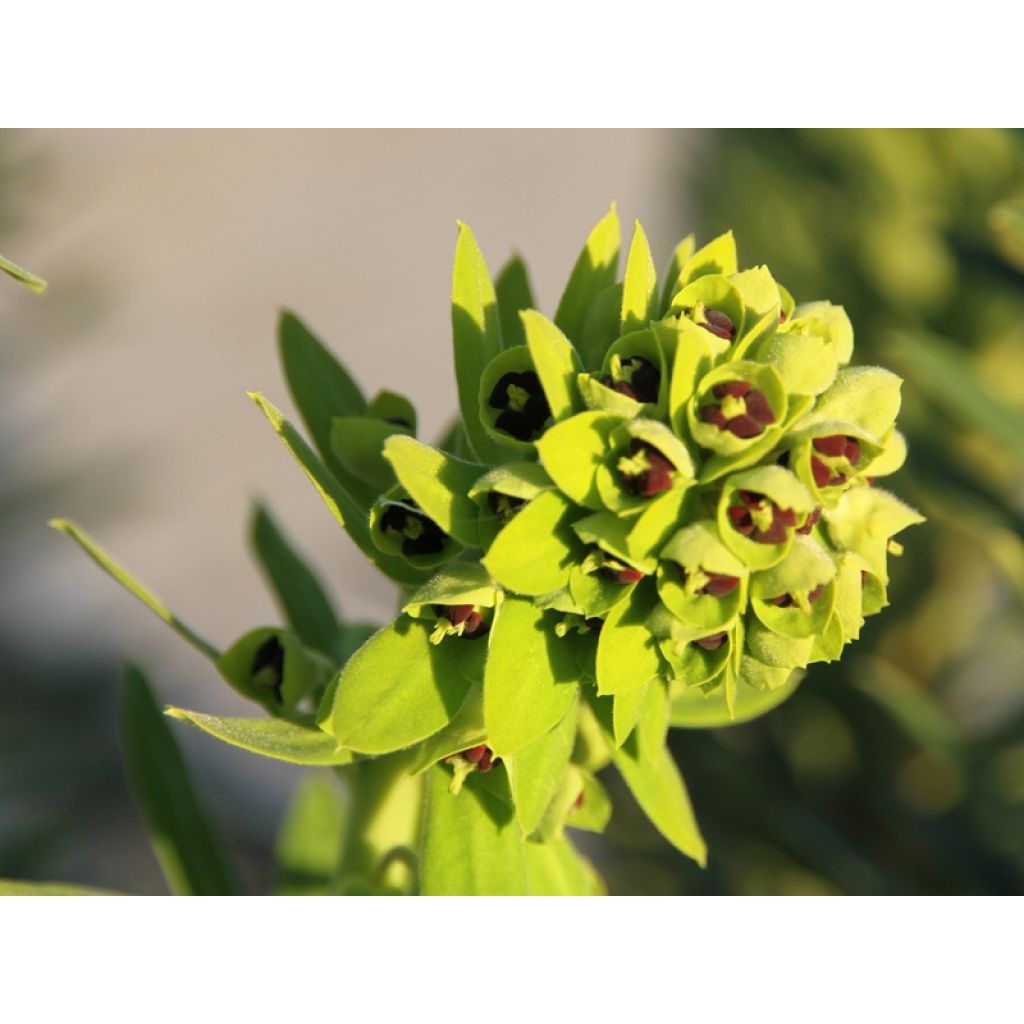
319 385
661 793
345 509
276 738
181 836
398 689
601 326
33 283
530 678
133 586
512 287
594 271
439 484
640 287
534 550
626 710
682 252
717 257
534 773
301 598
627 653
476 335
652 722
308 850
556 362
471 842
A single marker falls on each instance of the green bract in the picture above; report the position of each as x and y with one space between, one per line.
657 509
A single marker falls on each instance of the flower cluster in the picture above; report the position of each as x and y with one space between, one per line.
674 505
657 509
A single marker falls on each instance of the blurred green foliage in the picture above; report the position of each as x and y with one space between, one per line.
900 770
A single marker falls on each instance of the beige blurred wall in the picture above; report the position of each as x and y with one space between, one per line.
178 248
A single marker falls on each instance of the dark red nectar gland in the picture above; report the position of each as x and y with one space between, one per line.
713 642
811 521
717 585
646 472
619 573
788 601
742 409
464 615
482 756
719 324
836 448
759 518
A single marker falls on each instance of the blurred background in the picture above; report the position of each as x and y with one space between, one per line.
122 405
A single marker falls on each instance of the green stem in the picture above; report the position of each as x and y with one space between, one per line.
383 831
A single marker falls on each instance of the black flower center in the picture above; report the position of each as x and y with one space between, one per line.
267 669
422 536
524 408
638 379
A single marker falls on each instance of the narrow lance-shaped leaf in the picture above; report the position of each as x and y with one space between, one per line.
33 283
179 832
471 843
345 509
320 386
594 271
309 846
640 287
661 793
133 586
276 738
439 483
682 252
556 361
476 336
512 287
299 594
535 772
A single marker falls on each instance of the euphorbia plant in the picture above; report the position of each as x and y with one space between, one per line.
657 509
